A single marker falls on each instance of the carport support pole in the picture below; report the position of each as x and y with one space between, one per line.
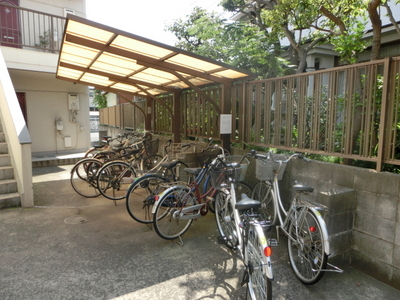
226 108
149 116
176 118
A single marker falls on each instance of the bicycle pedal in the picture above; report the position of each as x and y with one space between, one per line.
273 242
222 239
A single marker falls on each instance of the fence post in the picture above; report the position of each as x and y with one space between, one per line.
176 118
384 112
226 105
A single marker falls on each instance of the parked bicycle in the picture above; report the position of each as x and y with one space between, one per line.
177 207
241 227
141 194
302 223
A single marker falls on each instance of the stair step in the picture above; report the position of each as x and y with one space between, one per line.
8 186
3 148
6 172
10 200
5 160
2 137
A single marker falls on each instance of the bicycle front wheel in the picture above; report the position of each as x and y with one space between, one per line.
224 216
262 192
172 215
140 197
306 247
114 179
84 177
259 286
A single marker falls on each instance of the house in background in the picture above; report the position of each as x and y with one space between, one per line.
55 112
324 57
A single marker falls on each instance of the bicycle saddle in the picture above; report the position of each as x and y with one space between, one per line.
302 188
247 203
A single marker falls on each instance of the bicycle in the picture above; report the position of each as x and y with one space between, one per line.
142 193
302 223
180 203
115 177
84 174
241 228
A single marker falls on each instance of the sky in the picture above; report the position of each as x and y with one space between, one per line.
145 18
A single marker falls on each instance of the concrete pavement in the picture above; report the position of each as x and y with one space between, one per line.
70 247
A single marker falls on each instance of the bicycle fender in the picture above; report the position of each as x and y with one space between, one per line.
145 176
323 229
162 195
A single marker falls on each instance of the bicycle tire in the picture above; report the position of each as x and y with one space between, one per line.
262 192
83 177
167 223
224 216
242 188
259 286
114 179
180 174
151 161
140 197
307 249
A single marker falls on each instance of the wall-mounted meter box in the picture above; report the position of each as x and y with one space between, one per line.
73 102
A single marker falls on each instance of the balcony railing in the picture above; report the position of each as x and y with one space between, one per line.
29 29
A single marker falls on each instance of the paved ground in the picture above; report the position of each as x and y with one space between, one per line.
70 247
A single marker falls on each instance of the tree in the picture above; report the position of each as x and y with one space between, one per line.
239 44
100 99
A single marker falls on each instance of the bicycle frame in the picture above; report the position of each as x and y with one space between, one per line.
295 212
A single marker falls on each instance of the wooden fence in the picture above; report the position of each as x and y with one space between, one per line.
350 112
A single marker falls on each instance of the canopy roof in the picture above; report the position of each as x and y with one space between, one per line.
118 61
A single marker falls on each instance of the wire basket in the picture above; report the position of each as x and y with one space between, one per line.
265 169
207 156
220 174
152 146
180 150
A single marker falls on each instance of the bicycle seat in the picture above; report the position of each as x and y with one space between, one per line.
247 203
302 188
98 146
169 164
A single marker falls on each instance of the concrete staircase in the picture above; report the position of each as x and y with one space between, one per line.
9 196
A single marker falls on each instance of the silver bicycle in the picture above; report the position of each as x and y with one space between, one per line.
302 223
241 227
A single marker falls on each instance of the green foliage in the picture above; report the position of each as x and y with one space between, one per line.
239 44
100 99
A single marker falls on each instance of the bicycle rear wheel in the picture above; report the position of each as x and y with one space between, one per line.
262 192
306 247
259 286
169 220
84 177
151 161
140 197
114 178
225 219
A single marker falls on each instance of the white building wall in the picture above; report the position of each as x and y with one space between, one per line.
33 73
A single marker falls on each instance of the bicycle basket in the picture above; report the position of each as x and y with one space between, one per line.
265 168
152 146
220 174
180 150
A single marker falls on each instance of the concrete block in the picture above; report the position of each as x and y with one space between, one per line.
397 234
381 228
378 183
339 223
337 174
338 200
381 206
340 243
372 247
